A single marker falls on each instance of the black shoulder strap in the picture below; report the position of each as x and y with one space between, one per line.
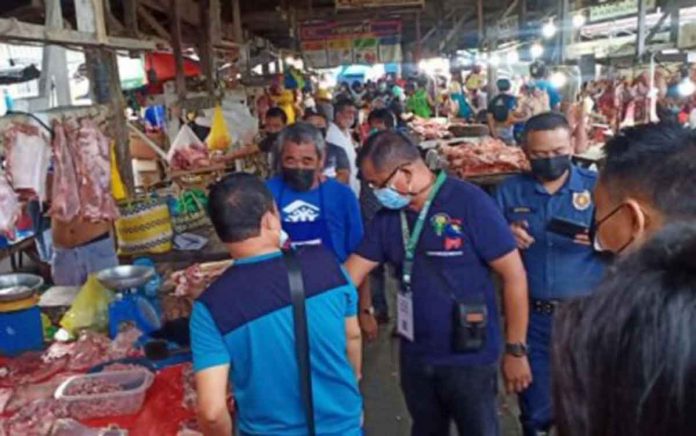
297 293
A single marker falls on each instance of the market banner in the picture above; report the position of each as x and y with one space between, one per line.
356 4
390 50
315 53
350 42
365 51
340 52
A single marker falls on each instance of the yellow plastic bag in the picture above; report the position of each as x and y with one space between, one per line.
219 137
90 308
118 190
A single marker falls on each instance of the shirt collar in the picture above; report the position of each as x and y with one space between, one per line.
573 184
257 259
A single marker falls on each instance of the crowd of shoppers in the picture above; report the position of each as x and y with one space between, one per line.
588 353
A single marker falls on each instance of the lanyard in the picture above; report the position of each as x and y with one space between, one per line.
411 239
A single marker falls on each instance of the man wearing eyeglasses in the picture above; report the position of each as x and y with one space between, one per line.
550 214
444 236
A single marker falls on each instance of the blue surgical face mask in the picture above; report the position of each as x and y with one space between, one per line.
391 199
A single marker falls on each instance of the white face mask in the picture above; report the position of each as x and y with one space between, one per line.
284 237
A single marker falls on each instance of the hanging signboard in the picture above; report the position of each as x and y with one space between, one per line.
331 44
356 4
618 9
687 36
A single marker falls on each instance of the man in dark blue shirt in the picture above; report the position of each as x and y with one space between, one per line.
443 236
550 212
242 327
314 211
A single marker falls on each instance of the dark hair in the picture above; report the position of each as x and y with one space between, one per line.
503 85
236 205
657 161
276 112
545 122
314 113
384 115
342 104
624 358
387 150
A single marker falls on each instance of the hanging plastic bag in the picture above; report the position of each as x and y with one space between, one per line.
242 125
118 190
90 309
187 151
219 137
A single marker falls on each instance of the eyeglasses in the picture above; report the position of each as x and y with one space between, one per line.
384 184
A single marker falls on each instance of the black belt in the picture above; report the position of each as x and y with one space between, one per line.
545 307
99 238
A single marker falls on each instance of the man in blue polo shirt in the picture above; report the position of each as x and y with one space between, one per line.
550 212
313 210
242 327
444 236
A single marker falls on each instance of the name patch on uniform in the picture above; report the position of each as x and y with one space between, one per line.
582 200
521 209
444 253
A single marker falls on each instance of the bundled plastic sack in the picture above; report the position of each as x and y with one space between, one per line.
219 137
187 151
90 309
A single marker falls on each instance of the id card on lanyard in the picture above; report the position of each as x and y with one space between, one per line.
404 302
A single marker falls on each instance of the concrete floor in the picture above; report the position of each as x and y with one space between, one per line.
385 409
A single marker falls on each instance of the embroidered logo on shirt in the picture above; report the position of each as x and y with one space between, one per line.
582 200
450 228
439 223
300 212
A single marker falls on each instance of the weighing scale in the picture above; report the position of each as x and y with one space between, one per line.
20 318
128 305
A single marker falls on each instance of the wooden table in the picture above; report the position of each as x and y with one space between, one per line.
15 251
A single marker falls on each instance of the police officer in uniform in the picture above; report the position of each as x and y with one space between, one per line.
550 212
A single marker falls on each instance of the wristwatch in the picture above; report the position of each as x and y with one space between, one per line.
517 350
368 311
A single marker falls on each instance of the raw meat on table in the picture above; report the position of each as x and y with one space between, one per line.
490 156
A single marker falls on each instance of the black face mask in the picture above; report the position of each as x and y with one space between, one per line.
299 179
266 145
551 168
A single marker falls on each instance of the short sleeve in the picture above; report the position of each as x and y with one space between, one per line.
371 247
491 235
351 296
342 162
207 344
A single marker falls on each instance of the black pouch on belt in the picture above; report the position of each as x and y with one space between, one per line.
469 323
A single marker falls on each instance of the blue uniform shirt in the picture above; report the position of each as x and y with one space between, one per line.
336 204
244 319
557 267
463 233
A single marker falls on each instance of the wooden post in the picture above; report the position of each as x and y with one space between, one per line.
130 13
175 23
207 9
54 67
419 48
479 16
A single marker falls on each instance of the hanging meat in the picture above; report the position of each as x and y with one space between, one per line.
28 157
65 203
9 206
90 151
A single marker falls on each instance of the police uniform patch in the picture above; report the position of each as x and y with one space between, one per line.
582 200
